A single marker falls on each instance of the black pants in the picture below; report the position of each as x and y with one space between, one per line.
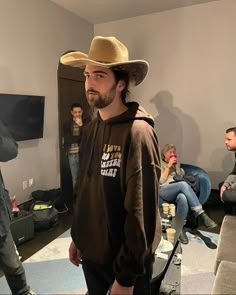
99 279
12 267
229 199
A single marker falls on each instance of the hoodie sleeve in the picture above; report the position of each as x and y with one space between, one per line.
234 169
230 181
8 146
142 223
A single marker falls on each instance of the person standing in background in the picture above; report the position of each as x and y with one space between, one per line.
72 134
10 262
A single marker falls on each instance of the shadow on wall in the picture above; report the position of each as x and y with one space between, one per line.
174 126
6 80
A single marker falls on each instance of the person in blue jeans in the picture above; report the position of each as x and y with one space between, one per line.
72 134
10 262
180 193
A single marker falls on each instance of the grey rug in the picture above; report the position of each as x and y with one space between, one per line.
198 262
49 271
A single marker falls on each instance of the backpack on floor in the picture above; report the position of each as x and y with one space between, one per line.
52 196
45 215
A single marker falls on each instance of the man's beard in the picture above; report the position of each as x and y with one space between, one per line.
101 101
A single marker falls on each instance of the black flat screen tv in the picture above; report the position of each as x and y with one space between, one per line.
23 115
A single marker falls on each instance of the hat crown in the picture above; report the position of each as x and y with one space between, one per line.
108 50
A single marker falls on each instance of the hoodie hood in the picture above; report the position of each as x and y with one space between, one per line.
134 112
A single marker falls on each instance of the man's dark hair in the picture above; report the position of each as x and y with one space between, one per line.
122 76
232 129
75 105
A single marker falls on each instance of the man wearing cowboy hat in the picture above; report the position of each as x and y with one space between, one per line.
116 225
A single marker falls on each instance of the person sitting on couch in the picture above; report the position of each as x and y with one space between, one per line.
228 189
180 192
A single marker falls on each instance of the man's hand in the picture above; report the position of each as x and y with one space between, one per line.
74 254
117 289
223 188
78 121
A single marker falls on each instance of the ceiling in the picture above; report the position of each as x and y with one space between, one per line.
102 11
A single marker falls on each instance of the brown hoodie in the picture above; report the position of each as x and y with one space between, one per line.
116 216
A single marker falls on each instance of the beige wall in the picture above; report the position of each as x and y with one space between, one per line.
34 34
190 89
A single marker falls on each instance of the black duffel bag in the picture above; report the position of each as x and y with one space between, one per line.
45 215
52 196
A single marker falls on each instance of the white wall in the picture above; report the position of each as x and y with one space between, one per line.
34 34
190 89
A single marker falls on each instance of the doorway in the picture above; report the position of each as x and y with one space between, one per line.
70 90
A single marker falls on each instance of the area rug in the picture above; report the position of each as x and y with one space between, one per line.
49 271
198 260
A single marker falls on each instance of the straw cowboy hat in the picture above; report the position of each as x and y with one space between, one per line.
108 52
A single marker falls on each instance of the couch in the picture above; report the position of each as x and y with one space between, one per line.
225 264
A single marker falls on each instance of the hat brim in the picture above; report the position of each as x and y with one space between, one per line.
137 69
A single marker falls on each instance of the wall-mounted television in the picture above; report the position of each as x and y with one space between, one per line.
23 115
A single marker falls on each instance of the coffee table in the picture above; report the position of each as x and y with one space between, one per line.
161 265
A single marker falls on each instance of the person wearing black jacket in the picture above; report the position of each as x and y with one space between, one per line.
228 188
10 262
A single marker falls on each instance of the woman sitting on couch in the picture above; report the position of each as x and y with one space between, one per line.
180 192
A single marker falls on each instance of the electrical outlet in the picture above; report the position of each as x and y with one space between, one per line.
31 182
24 184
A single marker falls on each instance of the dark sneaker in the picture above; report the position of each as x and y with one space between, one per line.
206 220
183 238
209 243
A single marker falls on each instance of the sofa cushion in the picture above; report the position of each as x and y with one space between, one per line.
225 282
227 241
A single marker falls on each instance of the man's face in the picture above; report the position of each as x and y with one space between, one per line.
230 141
100 85
77 113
